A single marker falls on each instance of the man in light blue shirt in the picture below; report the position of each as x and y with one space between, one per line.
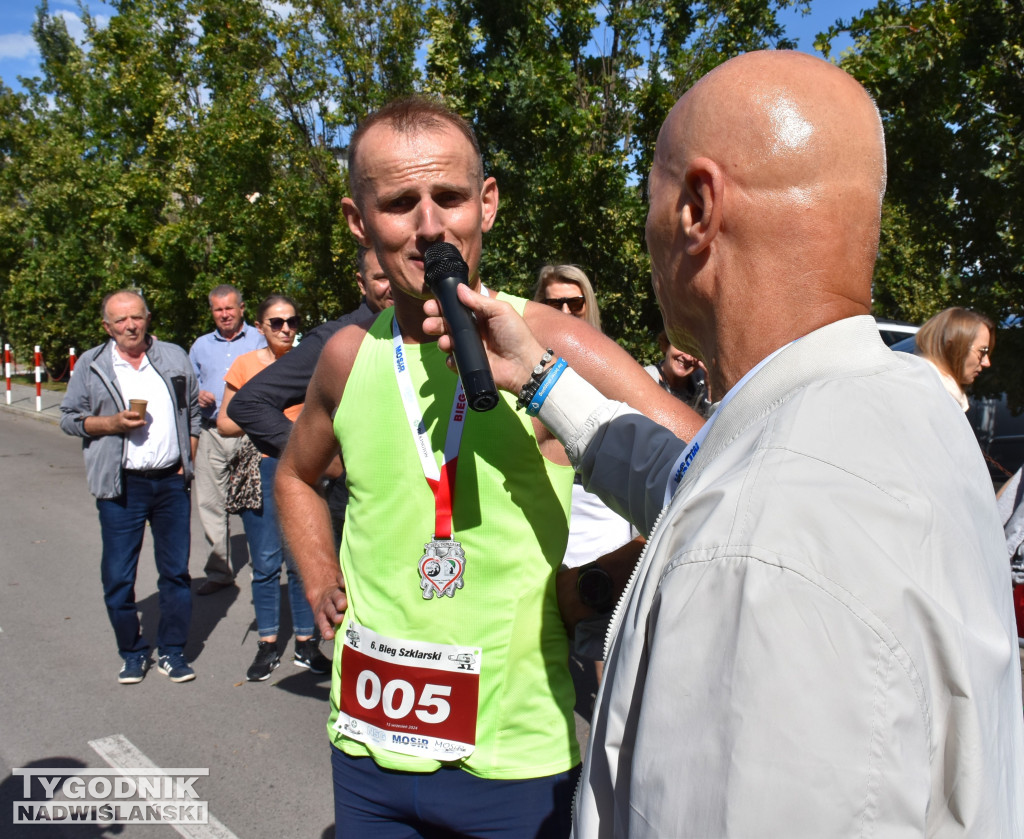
211 355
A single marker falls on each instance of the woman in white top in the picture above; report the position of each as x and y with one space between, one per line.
958 343
595 531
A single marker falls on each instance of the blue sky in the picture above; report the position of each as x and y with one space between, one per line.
19 57
18 53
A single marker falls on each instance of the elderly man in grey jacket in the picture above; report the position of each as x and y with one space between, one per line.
818 640
134 402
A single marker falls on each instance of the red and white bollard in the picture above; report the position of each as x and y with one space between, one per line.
39 380
71 362
7 370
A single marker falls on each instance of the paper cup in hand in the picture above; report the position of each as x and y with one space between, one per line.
139 406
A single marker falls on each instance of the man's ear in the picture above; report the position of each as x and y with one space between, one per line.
355 221
106 328
701 214
489 199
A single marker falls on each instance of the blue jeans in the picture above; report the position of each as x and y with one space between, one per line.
386 804
166 504
267 552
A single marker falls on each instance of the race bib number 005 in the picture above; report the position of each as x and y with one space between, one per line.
410 697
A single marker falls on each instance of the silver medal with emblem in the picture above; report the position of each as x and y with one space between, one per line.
441 568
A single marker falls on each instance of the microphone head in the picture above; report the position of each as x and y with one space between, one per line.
441 260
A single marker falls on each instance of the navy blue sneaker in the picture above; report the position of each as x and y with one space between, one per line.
133 670
175 668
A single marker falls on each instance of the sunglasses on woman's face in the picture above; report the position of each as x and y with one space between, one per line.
575 304
277 323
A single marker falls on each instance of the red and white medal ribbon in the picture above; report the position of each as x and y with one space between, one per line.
440 479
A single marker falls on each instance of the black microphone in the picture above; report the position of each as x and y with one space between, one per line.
445 269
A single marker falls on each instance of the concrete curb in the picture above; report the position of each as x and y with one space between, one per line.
23 402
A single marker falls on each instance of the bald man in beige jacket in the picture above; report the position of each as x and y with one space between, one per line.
818 640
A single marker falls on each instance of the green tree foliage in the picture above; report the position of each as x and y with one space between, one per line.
194 142
75 207
566 98
949 80
184 145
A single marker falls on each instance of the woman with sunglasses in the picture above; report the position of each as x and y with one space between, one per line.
277 320
958 343
595 531
567 288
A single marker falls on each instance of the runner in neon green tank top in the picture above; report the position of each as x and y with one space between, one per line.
452 656
510 515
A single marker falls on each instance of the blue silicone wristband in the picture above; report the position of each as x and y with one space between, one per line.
545 387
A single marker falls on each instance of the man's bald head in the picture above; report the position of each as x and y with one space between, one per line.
766 194
782 119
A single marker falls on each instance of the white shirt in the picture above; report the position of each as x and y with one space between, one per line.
154 445
594 530
950 384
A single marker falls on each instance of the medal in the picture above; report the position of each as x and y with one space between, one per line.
441 568
443 561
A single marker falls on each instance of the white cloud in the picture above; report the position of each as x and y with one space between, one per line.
22 45
76 29
282 10
17 46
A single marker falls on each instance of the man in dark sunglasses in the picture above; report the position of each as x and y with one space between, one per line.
211 355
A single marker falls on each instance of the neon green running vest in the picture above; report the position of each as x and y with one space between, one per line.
510 514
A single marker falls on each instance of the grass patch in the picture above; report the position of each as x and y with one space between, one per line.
29 380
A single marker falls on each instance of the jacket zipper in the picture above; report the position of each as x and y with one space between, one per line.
613 625
616 618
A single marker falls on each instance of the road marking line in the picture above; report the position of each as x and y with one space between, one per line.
119 752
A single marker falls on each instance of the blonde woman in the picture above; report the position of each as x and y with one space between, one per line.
566 287
595 531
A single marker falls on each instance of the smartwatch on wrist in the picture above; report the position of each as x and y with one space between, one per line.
595 588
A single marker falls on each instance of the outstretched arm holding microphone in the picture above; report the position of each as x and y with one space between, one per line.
589 391
512 348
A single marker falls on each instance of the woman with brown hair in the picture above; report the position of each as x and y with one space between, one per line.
958 343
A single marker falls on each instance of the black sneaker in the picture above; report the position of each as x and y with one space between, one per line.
133 670
175 668
308 655
266 661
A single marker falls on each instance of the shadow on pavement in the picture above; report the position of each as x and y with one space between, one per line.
12 792
207 612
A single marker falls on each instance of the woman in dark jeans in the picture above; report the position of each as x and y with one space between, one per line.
277 320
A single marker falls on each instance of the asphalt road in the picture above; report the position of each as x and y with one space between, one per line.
264 744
